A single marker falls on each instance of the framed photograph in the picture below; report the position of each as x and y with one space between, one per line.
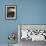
10 12
32 32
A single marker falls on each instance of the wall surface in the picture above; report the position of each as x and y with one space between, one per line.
28 12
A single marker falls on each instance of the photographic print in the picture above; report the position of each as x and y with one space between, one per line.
10 11
31 34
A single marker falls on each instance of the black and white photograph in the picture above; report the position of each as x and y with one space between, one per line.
29 34
10 12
